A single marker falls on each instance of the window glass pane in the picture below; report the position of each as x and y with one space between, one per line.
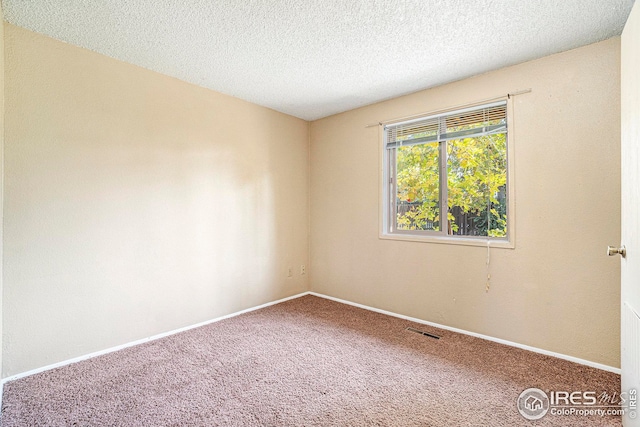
476 182
418 187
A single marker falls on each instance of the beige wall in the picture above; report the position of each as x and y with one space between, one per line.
136 203
556 290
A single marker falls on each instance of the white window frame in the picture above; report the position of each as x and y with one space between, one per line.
441 237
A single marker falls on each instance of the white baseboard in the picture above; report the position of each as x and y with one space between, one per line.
473 334
141 341
377 310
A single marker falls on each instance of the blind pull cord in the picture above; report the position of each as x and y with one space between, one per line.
488 285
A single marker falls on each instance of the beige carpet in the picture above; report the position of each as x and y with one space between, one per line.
304 362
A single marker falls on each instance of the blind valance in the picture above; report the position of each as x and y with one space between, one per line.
467 123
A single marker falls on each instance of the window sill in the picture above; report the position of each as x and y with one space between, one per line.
450 240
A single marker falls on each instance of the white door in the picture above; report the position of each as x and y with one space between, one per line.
630 274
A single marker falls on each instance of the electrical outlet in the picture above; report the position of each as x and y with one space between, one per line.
303 269
290 272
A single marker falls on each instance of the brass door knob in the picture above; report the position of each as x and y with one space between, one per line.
611 251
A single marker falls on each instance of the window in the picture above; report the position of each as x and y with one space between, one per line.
446 176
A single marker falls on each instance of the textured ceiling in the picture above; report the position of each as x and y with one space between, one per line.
314 58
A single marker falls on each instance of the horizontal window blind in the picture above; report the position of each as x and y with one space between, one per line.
470 122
